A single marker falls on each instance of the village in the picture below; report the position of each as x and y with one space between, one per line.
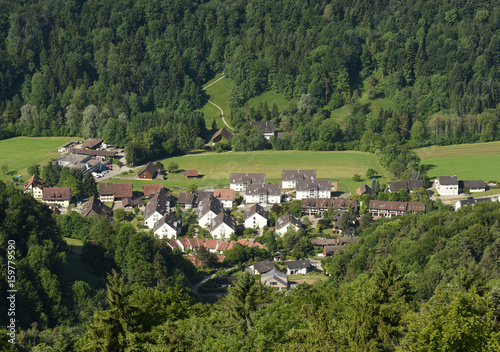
222 218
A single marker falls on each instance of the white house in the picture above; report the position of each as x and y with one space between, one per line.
464 202
263 194
313 189
301 266
267 127
60 196
256 216
226 196
169 226
473 185
286 222
289 178
34 186
239 181
158 206
223 226
208 209
447 185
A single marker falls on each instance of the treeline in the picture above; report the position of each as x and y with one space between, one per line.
92 68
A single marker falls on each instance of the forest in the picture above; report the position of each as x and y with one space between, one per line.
132 72
421 282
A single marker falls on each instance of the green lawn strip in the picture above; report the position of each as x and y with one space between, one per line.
307 278
472 167
216 77
21 152
73 242
434 152
269 97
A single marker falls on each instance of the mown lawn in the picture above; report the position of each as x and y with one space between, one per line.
270 98
77 270
21 152
468 161
310 278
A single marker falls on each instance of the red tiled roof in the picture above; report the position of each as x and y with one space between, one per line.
151 189
224 194
35 181
192 173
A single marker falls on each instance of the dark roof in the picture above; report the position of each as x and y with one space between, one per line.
119 190
264 266
151 189
474 184
248 178
277 275
307 185
210 204
93 152
158 203
364 189
95 206
448 180
322 242
186 198
348 239
298 264
56 193
200 195
171 220
406 185
92 143
397 206
269 189
329 250
473 201
132 202
256 209
223 218
223 133
285 220
337 218
265 126
226 280
34 181
149 167
297 175
192 173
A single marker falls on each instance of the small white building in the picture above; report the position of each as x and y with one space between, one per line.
239 181
169 226
289 178
314 189
287 222
225 196
223 226
158 206
263 194
256 217
267 128
472 201
208 209
447 185
473 185
301 266
34 186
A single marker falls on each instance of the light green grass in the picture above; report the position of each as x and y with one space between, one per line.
310 278
21 152
270 98
217 167
469 161
73 242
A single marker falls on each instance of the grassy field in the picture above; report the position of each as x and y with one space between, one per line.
79 271
310 278
270 98
468 161
21 152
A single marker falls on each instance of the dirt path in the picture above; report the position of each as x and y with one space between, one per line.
217 80
217 106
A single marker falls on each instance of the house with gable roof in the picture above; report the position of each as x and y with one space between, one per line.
239 181
276 279
256 217
186 199
267 128
95 207
263 193
111 192
169 226
289 178
225 196
300 266
447 185
148 172
60 196
208 209
285 222
34 186
313 189
223 226
384 208
222 133
159 205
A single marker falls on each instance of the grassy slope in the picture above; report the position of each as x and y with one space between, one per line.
216 168
78 270
21 152
468 161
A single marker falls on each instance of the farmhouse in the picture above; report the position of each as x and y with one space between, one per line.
98 154
169 226
364 189
223 226
225 195
275 278
408 186
263 193
313 189
34 186
267 127
301 266
383 208
192 173
262 267
93 143
286 222
95 207
151 189
256 217
464 202
289 178
110 192
61 196
239 181
148 172
186 199
315 206
447 185
208 209
158 206
473 185
131 203
222 133
338 225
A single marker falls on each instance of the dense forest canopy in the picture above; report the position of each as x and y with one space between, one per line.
132 71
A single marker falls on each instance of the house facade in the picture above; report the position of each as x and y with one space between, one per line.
311 206
148 172
34 186
263 194
464 202
447 185
225 196
223 226
110 192
267 127
313 189
294 267
158 206
276 279
239 181
169 226
256 217
289 178
473 185
208 209
286 222
388 209
95 207
60 196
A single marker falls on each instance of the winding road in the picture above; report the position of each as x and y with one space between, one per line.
217 106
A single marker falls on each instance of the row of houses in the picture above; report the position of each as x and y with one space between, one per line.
53 196
212 245
452 186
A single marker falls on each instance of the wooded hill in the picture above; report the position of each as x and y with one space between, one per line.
132 71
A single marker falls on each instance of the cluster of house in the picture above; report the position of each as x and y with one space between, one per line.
87 157
271 276
452 186
54 197
332 245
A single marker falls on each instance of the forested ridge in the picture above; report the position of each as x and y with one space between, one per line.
132 71
420 282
